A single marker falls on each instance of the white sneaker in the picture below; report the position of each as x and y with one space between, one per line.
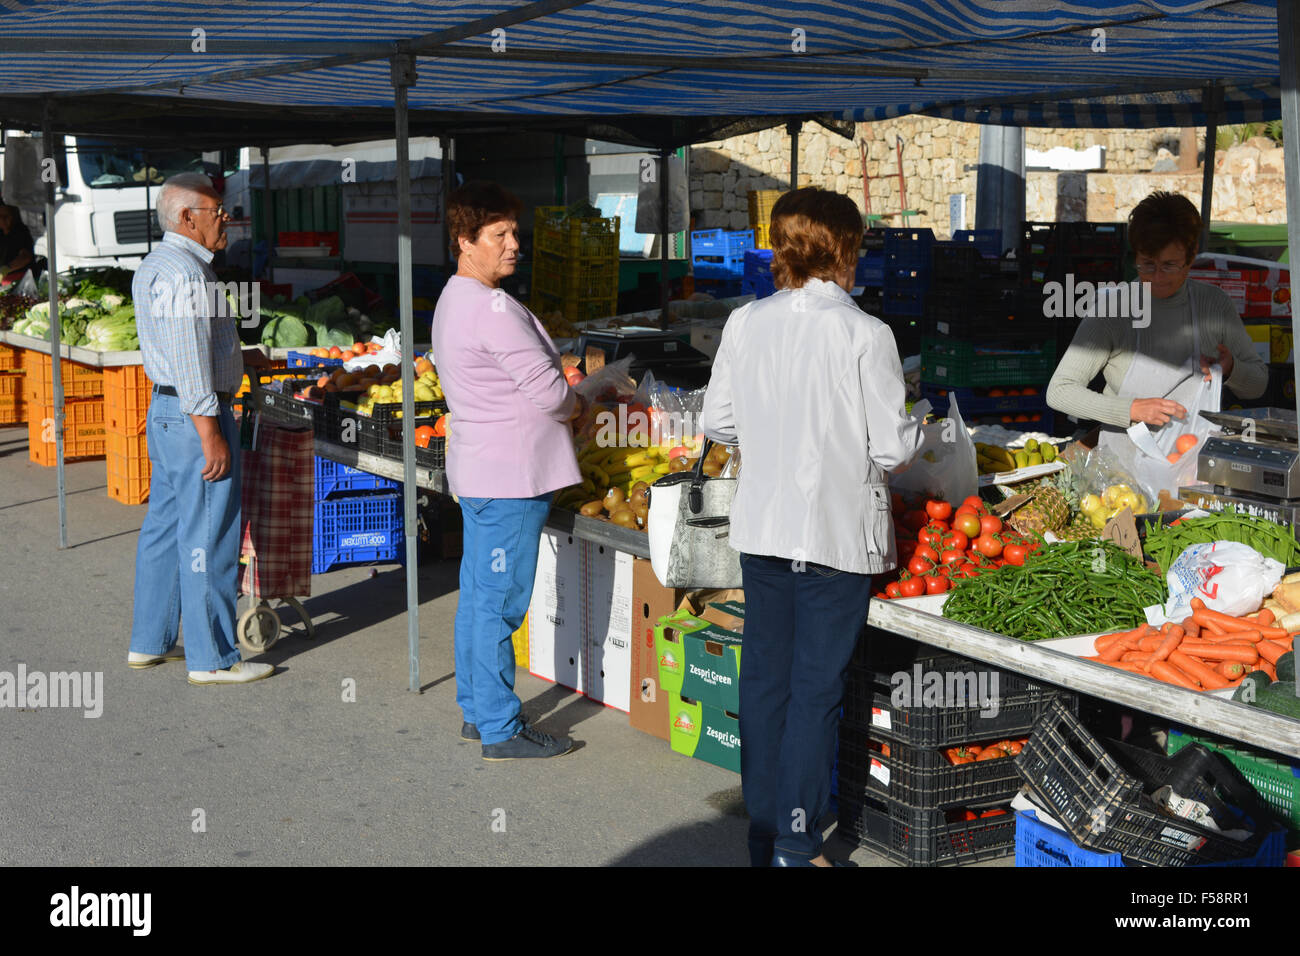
241 673
140 661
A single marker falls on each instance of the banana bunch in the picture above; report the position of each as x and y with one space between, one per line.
622 468
993 458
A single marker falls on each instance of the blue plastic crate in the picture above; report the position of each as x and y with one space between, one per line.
1038 844
303 360
987 241
758 274
871 269
907 250
357 530
333 479
977 401
719 254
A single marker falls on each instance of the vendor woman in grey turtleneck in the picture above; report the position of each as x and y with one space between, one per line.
1164 232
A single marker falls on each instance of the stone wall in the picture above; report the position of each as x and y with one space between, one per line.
939 158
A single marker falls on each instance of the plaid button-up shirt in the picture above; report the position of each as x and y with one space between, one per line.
187 339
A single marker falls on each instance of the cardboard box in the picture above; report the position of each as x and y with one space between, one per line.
555 633
1256 293
647 703
607 615
670 650
1281 348
1262 336
712 671
520 641
703 732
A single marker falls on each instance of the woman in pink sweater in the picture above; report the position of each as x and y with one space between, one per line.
509 449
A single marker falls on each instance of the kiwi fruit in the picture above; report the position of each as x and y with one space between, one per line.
592 508
712 469
624 518
613 499
678 464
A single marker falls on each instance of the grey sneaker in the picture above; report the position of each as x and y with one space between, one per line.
529 742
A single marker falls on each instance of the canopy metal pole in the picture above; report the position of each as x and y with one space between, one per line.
269 204
663 237
1288 36
148 207
1213 100
793 130
402 70
52 275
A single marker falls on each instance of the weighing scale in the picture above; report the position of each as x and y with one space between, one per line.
673 361
1254 465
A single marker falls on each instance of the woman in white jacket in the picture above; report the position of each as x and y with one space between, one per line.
811 389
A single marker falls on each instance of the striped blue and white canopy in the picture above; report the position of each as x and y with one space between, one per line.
1130 63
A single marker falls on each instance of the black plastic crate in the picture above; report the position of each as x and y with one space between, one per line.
391 443
1100 793
341 425
961 264
280 407
924 837
992 318
868 704
921 777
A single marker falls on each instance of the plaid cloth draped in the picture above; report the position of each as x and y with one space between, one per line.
278 496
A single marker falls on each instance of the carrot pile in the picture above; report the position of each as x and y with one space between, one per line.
1207 651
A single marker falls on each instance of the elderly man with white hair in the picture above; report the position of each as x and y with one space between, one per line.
187 560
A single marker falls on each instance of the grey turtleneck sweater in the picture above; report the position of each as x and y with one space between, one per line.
1108 345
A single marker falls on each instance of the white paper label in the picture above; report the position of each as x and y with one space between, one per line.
880 718
879 771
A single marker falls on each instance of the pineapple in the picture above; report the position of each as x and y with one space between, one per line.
1048 511
1079 529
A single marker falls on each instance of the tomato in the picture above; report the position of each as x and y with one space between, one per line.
970 815
1013 747
977 503
935 585
927 552
992 753
958 755
990 524
988 546
906 547
992 813
953 556
893 590
968 524
912 587
938 510
1015 554
931 535
956 541
915 520
919 565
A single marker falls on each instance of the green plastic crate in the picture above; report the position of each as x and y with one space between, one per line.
958 363
1278 783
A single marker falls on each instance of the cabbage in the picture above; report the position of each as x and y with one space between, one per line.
284 332
111 301
328 312
112 333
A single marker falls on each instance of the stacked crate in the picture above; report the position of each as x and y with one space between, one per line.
127 391
761 202
575 264
358 518
1068 253
899 794
904 257
13 406
718 260
83 408
979 346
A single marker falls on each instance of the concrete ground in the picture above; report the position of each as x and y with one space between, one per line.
285 771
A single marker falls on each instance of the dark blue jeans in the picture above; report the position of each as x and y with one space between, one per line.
800 630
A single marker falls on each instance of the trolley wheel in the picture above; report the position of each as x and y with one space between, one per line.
258 628
302 613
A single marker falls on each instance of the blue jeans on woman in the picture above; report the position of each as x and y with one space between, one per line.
802 622
187 558
499 561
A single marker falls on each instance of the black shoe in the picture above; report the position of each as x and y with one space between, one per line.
784 858
469 732
529 742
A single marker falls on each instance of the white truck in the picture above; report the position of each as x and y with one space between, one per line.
104 204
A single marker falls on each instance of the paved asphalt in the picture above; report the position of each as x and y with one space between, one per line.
284 771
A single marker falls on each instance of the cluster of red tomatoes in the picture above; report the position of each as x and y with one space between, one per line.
938 544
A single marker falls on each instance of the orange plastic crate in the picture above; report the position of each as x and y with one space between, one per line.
128 468
13 409
79 381
11 359
83 431
127 393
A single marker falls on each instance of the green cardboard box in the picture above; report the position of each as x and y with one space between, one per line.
712 671
703 732
670 651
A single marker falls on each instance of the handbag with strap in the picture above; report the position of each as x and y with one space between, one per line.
689 527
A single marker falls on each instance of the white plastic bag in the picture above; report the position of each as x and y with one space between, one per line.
1228 576
1145 452
390 354
945 466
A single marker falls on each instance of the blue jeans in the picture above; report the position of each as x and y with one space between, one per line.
800 631
187 559
499 561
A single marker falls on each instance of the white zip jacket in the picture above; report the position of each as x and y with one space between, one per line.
811 388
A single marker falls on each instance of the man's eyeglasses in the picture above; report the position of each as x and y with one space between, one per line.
219 210
1166 268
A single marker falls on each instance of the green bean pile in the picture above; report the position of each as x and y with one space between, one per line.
1075 587
1166 542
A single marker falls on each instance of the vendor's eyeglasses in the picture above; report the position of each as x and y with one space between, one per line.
219 210
1166 268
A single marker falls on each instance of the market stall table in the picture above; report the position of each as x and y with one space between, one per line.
1214 715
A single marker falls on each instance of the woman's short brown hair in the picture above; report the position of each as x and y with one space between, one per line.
476 204
1162 218
815 234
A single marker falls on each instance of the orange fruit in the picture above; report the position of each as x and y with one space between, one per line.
440 427
423 434
335 352
1173 456
349 354
1185 443
323 381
